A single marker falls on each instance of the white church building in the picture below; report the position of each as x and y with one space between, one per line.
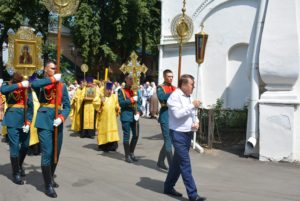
252 58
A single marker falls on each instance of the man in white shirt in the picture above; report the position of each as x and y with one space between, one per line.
147 93
182 122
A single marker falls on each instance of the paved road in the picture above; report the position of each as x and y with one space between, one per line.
86 174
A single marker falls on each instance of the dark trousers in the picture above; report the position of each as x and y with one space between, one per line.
46 142
181 164
166 135
16 137
126 127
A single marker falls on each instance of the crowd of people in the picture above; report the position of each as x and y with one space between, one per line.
94 108
150 103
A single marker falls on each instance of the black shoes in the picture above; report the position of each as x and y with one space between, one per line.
133 158
128 159
198 198
173 192
162 166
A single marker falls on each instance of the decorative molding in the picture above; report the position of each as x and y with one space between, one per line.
201 8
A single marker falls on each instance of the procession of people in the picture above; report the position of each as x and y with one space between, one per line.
94 111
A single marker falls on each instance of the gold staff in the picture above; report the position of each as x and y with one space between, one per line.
182 29
62 8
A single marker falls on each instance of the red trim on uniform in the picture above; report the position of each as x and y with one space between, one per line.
20 85
129 95
61 117
53 80
169 88
51 90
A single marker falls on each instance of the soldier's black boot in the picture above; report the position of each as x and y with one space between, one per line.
161 159
17 179
53 168
49 190
22 155
132 148
127 155
169 155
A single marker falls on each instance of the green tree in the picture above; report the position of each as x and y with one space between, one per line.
12 15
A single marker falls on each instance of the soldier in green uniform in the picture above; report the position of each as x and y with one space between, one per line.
130 113
163 92
17 125
45 89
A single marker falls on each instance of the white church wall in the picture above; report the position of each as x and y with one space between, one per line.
225 31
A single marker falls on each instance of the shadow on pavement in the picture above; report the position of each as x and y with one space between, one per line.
93 146
154 137
75 134
34 177
155 185
6 171
141 160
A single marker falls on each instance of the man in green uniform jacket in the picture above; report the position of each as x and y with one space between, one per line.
130 113
45 121
163 92
17 125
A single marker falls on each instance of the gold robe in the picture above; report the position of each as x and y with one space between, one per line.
76 110
34 139
107 125
4 106
88 108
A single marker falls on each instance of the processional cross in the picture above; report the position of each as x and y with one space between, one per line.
135 69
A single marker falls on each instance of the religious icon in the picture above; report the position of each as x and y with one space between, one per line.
90 93
25 56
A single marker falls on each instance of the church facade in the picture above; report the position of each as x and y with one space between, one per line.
251 59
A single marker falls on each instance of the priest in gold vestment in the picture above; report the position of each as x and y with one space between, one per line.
76 109
108 109
90 91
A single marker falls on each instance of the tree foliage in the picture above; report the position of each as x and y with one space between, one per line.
107 31
13 14
104 31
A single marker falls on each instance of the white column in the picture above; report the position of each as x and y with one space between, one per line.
279 70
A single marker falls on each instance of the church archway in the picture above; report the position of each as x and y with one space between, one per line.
237 77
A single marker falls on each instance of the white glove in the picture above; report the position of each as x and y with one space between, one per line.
57 122
1 82
135 98
136 117
57 77
26 128
25 83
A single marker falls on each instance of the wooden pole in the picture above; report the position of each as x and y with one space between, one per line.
55 144
179 62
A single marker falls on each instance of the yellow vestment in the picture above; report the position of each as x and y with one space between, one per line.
88 108
76 110
107 125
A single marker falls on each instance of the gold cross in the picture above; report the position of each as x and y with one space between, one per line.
135 69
